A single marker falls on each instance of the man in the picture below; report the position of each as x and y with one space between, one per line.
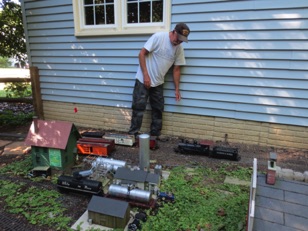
160 52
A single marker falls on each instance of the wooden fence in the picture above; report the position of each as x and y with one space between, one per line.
36 91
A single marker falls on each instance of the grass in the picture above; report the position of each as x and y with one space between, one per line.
2 93
203 200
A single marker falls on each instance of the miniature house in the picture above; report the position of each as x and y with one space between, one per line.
139 178
52 143
108 212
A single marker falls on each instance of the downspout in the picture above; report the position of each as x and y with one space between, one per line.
24 21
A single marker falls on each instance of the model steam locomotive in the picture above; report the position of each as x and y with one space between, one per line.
207 148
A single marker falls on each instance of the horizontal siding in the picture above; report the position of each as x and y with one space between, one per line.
245 59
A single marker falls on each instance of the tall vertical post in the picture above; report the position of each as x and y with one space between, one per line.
36 92
144 152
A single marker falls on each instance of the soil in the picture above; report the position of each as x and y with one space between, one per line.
164 155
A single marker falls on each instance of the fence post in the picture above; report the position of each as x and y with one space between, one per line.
36 92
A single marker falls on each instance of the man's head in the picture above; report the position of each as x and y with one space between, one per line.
182 31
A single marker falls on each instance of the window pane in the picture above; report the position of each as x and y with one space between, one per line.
110 14
100 15
109 1
99 1
89 15
132 13
145 12
87 2
157 11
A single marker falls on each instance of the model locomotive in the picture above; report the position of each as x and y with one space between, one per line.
208 148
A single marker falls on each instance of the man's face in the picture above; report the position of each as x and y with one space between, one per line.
175 39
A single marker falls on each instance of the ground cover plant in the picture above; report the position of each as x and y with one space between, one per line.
203 200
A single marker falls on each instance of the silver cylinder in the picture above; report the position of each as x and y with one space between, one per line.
118 191
110 164
144 152
85 173
139 195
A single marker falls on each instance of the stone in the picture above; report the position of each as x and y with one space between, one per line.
287 174
298 176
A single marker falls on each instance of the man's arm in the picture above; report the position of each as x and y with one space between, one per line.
146 78
176 80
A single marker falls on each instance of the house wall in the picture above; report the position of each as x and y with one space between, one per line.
246 73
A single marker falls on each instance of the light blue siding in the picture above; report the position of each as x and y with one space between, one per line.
246 59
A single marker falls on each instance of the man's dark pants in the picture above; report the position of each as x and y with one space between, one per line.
140 98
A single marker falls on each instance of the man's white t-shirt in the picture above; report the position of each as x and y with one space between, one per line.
162 55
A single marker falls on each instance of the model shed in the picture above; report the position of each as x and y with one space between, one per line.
52 143
108 212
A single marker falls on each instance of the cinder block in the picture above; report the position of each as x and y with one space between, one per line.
287 174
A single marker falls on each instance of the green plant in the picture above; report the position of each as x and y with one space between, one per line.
18 90
38 206
9 118
19 168
4 62
202 201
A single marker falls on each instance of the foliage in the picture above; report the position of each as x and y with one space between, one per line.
18 90
203 201
9 118
38 206
4 62
12 36
18 168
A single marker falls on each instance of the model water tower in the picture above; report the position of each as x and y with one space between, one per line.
271 169
144 152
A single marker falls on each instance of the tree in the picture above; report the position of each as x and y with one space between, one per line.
12 36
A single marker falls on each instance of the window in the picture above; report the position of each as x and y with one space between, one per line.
116 17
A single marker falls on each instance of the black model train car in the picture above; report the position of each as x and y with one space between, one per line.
79 185
200 148
208 148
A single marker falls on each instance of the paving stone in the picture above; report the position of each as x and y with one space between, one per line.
231 180
296 222
4 142
262 225
296 198
16 148
270 192
269 215
282 206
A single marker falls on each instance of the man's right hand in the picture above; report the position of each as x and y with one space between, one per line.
147 81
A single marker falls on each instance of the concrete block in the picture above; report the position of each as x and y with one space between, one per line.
306 176
287 174
299 176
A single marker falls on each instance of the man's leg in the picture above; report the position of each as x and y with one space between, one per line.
157 105
140 98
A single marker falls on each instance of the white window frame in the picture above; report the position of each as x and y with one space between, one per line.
121 26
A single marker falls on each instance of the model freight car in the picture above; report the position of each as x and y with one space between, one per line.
95 146
79 185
